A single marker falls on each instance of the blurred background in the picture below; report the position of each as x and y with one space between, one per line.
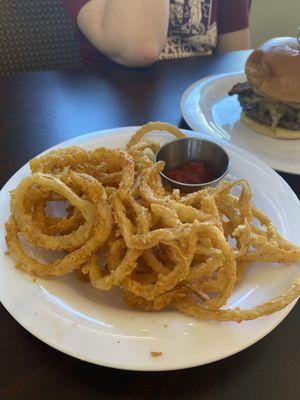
271 18
37 34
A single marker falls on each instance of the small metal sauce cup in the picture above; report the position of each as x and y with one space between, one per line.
180 151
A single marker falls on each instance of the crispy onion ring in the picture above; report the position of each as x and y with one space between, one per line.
56 225
191 308
154 126
106 160
166 282
29 228
115 277
75 259
158 246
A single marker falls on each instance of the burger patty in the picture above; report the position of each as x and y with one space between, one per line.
265 111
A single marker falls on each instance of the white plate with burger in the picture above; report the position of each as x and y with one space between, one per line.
263 113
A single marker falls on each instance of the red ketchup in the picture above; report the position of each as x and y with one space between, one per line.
192 172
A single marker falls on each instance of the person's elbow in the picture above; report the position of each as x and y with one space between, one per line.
138 55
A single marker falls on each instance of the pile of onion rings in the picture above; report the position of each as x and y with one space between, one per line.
121 227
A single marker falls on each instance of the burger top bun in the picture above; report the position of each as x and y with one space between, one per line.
273 69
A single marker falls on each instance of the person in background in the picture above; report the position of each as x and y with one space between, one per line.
137 33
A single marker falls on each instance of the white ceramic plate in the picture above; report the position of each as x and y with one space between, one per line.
206 107
97 327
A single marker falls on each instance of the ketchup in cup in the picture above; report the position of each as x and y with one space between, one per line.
191 172
192 163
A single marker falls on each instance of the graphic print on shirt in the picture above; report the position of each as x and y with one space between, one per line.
192 29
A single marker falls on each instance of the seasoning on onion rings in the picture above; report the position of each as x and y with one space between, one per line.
191 308
154 126
124 228
102 226
56 225
31 231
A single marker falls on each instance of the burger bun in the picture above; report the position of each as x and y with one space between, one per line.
273 69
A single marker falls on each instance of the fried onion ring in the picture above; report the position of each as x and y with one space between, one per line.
154 126
102 226
29 228
122 228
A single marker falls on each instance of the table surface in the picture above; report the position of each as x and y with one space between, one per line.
38 110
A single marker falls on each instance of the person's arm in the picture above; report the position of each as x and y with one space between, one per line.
233 25
130 32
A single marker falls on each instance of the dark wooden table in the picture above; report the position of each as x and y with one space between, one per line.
38 110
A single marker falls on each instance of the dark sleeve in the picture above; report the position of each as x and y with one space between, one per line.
89 53
73 7
232 15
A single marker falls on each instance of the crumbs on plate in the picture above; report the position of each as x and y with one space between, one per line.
156 353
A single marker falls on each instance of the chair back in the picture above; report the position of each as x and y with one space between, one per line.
36 35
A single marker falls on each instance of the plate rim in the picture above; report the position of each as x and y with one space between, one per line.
82 139
212 132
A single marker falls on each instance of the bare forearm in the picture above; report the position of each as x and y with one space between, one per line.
147 19
125 29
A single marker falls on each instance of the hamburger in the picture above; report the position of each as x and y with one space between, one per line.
270 99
